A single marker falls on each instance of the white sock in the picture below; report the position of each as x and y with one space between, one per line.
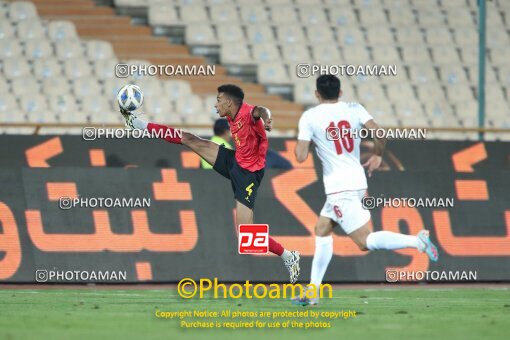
321 258
286 255
390 240
140 124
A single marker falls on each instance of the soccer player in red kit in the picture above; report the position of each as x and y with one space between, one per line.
244 167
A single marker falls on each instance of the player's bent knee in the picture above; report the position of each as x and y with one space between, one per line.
362 244
360 235
360 241
363 247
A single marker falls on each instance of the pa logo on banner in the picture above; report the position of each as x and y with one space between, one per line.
253 238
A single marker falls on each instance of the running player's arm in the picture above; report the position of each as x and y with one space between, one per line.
379 143
375 160
305 135
301 151
264 113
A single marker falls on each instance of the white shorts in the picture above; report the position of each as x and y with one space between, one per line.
345 208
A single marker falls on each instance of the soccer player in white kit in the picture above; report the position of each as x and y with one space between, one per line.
328 125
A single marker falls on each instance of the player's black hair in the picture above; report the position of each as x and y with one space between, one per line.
233 91
220 126
328 86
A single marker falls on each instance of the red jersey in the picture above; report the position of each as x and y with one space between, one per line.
250 139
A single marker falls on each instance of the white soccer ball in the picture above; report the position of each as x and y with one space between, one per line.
130 97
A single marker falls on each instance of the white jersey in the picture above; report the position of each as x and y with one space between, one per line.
340 157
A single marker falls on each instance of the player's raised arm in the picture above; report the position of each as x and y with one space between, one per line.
265 114
375 160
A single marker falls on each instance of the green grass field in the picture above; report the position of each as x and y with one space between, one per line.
393 313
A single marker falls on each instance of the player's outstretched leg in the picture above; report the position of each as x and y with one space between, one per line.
368 240
244 215
204 148
132 121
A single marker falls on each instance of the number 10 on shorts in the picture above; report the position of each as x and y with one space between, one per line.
253 238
